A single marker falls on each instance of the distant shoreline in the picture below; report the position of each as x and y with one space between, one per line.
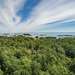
41 34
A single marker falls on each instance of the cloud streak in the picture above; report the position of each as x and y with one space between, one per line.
24 16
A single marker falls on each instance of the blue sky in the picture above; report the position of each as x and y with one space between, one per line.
26 10
37 16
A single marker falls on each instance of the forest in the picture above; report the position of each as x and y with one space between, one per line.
20 55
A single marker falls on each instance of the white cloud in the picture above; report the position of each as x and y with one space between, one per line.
47 11
8 13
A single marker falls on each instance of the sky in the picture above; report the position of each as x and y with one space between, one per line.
37 16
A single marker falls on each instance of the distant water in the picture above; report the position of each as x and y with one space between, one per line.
53 33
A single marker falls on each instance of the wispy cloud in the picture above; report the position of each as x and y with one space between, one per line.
36 15
8 16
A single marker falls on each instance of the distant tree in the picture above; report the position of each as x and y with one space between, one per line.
35 67
70 53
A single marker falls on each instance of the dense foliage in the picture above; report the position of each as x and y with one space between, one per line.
37 56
